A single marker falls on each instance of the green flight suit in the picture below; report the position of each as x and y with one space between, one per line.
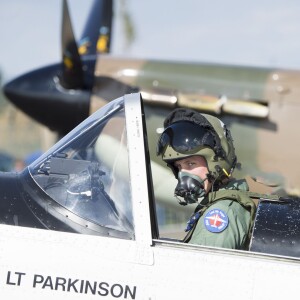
226 220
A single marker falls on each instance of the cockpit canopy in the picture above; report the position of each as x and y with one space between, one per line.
87 172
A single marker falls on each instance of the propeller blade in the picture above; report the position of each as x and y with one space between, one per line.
96 36
72 74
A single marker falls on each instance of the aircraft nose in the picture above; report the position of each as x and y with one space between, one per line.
40 95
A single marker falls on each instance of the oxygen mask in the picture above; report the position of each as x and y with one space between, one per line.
190 188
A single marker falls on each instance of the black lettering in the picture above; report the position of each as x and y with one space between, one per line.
48 283
8 279
78 286
37 279
88 286
71 284
116 290
60 281
81 286
101 287
19 278
128 291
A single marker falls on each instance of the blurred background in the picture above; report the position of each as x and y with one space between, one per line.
257 33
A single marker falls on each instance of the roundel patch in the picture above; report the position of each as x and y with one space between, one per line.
216 220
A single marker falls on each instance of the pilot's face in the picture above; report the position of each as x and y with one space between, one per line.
195 165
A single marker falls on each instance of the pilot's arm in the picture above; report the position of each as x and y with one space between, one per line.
224 224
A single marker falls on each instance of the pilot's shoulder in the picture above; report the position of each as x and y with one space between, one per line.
258 186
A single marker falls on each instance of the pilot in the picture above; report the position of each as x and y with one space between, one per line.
199 149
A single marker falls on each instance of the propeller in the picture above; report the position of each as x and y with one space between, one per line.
79 60
96 36
72 74
58 96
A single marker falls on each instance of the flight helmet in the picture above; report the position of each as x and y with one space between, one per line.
187 133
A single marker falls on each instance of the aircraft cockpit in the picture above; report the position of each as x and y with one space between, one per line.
99 180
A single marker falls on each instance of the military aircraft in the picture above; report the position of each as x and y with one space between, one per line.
260 105
93 191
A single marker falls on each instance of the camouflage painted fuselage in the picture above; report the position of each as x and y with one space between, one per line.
267 146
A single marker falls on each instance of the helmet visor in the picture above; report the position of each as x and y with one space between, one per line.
185 137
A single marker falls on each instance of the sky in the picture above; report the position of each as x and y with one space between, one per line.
256 33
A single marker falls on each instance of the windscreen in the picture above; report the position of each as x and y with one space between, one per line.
87 172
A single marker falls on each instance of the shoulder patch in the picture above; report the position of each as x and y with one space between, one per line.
216 220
